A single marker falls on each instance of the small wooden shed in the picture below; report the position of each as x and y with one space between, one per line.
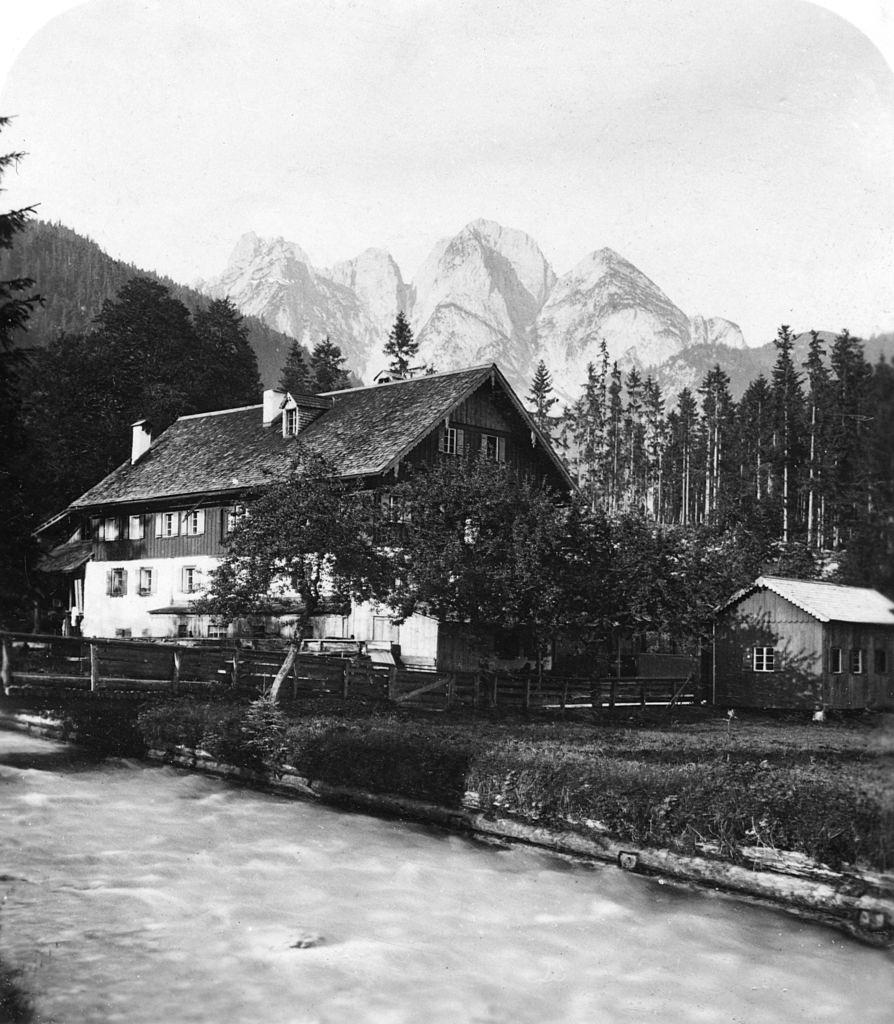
784 643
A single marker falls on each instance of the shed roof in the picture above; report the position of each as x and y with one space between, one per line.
365 432
826 602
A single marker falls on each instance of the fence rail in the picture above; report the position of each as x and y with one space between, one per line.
140 668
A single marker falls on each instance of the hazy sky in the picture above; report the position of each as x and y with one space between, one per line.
741 154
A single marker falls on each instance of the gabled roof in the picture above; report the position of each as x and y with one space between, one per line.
364 433
826 602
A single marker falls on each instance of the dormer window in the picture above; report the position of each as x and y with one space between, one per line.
290 422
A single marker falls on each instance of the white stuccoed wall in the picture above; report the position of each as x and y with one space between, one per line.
104 614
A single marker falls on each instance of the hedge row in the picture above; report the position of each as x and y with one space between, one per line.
812 809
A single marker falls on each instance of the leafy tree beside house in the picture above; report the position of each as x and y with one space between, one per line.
309 534
401 347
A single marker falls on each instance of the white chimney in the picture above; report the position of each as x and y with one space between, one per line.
140 440
272 401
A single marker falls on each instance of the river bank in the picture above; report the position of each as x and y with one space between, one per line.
798 814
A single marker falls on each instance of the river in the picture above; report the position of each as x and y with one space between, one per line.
136 893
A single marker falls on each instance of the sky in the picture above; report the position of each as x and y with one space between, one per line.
739 152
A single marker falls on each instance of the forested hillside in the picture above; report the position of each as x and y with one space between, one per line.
804 459
75 277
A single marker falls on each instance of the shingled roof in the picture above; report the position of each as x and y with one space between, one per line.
826 602
364 433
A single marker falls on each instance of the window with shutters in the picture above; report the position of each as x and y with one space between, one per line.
110 529
881 661
835 660
147 581
190 582
493 447
452 441
167 524
135 527
116 582
858 661
195 522
764 659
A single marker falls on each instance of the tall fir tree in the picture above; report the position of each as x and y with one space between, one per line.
295 377
818 396
327 367
788 410
541 398
231 367
401 347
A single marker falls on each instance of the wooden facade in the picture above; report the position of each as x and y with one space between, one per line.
813 665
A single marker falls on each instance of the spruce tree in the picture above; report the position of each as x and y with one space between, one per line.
231 367
401 347
818 381
788 409
327 367
541 397
295 376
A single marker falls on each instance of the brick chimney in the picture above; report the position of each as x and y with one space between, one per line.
141 438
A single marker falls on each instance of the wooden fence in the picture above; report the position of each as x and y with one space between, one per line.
136 668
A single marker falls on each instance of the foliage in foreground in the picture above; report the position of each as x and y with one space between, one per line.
831 804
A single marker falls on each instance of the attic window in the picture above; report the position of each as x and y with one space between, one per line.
493 448
452 441
290 422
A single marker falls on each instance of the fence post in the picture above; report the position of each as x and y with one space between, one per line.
564 693
611 694
392 682
94 668
175 671
6 668
344 679
235 668
642 693
476 689
493 702
451 689
527 691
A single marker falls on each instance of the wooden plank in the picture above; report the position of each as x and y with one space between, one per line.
94 667
428 688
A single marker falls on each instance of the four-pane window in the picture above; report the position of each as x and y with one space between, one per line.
764 659
452 441
195 522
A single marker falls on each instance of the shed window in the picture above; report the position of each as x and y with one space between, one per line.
383 629
881 661
764 659
835 661
858 661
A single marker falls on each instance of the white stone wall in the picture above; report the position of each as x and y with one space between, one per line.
103 614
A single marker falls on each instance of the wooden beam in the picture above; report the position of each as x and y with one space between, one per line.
94 667
440 681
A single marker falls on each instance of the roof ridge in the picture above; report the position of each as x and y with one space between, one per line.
219 412
410 380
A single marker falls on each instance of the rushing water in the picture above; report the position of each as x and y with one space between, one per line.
142 894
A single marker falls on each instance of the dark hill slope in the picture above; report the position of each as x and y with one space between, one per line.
75 277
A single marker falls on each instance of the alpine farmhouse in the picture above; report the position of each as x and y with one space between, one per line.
143 541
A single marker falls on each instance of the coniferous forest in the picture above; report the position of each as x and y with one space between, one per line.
802 464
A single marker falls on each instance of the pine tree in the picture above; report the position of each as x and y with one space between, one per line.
295 377
788 408
818 395
541 398
401 347
717 405
614 437
327 367
231 368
